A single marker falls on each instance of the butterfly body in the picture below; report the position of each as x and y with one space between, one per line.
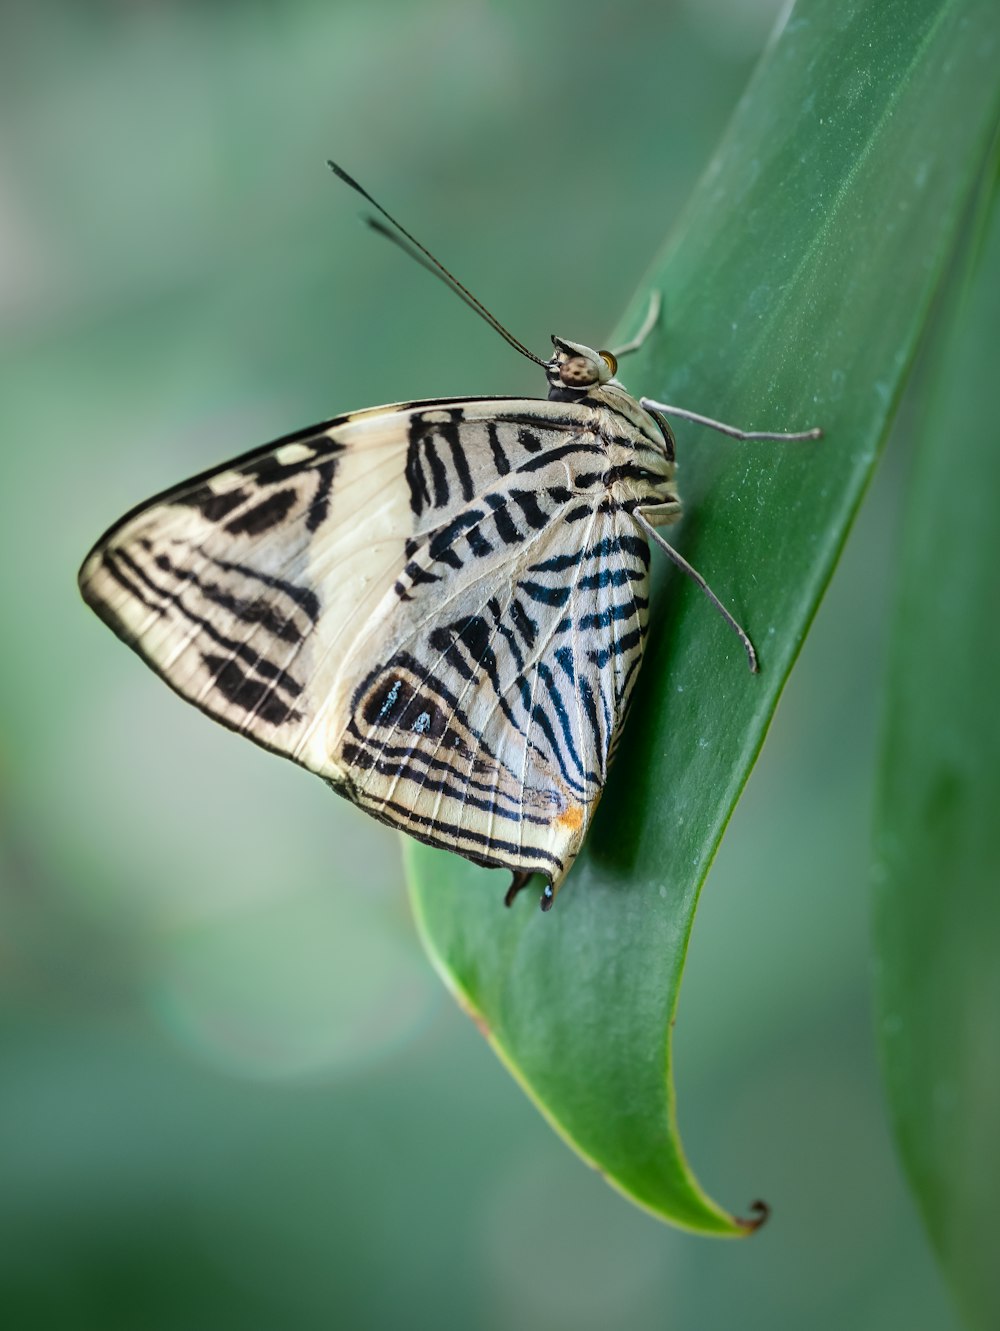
439 607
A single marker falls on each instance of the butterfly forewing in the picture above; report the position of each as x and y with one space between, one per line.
433 606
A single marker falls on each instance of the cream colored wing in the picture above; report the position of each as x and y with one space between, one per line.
433 606
489 721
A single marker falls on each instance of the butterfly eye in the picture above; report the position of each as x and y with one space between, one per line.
610 360
578 372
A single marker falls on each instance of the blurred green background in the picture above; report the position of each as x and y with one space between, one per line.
232 1092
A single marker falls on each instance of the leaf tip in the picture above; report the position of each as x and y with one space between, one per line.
759 1213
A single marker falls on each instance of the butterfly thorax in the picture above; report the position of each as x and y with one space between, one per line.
639 446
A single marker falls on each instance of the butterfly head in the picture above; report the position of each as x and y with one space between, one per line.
575 368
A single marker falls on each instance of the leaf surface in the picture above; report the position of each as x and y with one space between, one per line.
937 888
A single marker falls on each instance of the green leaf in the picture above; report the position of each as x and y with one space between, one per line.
795 290
937 901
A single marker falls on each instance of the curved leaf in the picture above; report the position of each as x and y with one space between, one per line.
937 899
795 291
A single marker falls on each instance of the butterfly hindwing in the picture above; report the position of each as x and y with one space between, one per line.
489 724
429 605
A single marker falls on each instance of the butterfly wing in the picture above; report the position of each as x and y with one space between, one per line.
428 605
488 722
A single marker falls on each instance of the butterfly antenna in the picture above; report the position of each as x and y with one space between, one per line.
411 246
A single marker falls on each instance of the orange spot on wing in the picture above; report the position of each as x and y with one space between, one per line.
572 817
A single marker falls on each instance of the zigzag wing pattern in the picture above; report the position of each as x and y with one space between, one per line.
435 606
490 725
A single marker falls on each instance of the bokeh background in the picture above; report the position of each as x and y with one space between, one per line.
232 1092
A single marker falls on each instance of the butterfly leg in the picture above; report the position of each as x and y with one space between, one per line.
648 404
648 324
695 576
519 879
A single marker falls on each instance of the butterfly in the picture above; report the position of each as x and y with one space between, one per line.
439 607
